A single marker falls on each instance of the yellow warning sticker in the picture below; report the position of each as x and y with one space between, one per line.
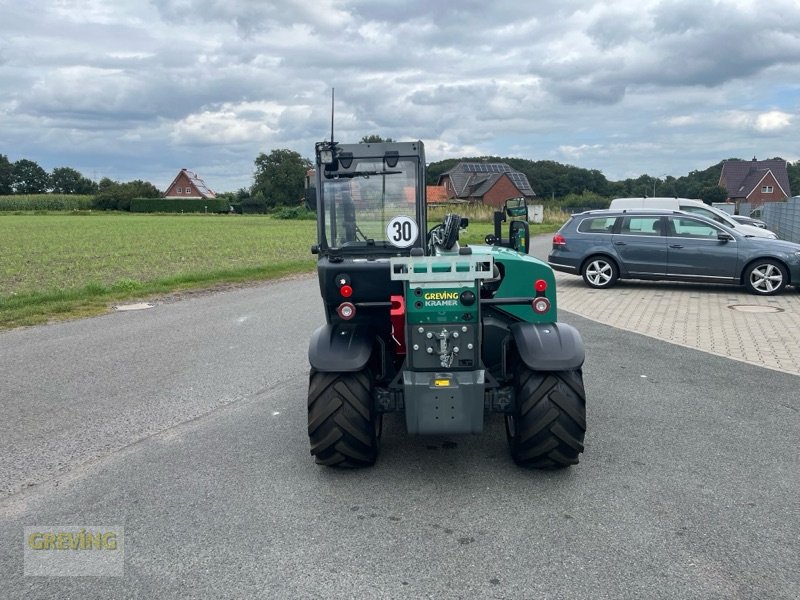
441 382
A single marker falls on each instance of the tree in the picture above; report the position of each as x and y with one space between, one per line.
6 175
793 170
713 193
280 177
29 177
64 180
117 196
374 139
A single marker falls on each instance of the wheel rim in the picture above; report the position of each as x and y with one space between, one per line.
599 272
766 278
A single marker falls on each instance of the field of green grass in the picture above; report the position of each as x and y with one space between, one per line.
68 264
75 264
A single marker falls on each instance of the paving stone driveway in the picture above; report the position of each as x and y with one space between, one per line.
724 320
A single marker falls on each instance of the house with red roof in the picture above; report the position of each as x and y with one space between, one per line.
188 184
755 181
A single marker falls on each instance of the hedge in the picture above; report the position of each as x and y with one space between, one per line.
179 205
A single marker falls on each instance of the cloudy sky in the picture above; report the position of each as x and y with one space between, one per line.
131 89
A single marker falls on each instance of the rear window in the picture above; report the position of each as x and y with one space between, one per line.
597 225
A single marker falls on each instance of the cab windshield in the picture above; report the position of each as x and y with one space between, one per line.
371 205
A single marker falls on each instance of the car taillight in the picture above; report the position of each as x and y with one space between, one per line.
559 240
540 305
346 311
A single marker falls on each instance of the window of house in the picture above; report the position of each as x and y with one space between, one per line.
179 190
766 189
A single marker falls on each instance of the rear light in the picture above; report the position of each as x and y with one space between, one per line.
540 305
346 291
540 285
559 240
346 311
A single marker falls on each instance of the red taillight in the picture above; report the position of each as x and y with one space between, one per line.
346 311
346 291
540 285
540 305
559 240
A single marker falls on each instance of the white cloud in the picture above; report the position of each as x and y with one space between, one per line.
246 122
577 152
773 121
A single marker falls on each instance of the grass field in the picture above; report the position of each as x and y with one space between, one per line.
74 264
69 264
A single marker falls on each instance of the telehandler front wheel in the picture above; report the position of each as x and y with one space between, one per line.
547 428
343 427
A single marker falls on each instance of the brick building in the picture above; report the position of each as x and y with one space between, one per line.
487 183
755 181
188 185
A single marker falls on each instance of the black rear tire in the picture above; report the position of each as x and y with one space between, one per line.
546 430
343 427
452 222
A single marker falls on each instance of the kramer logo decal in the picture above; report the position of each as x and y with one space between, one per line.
441 299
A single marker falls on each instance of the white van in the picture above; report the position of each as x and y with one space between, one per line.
697 207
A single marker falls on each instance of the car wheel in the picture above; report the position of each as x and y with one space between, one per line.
765 277
600 272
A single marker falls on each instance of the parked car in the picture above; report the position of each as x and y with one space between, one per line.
749 221
697 207
605 245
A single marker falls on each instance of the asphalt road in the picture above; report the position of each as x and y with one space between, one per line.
186 424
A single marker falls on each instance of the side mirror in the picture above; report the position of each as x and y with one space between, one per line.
724 237
517 207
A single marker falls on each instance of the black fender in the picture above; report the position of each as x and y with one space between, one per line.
340 347
549 346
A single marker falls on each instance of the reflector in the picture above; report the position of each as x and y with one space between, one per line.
346 311
540 305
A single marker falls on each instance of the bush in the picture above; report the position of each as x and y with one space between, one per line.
179 205
254 206
300 213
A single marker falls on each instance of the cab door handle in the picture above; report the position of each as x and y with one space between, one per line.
675 246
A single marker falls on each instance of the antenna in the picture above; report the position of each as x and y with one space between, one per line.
333 90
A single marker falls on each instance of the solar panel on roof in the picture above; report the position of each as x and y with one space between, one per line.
486 168
520 181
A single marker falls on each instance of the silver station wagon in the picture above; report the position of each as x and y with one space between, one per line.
605 245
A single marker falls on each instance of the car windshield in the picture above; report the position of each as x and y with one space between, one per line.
371 204
711 212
